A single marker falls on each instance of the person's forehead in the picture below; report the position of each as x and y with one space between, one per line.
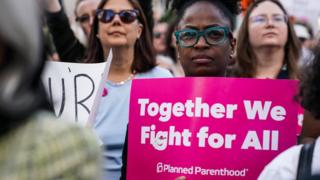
203 13
87 5
266 8
118 5
161 27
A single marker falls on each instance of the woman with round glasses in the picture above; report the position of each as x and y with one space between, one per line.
119 25
267 45
205 43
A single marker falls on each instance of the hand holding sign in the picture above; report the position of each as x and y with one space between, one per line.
181 178
214 132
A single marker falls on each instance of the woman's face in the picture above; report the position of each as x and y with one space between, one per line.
117 33
267 26
159 37
85 13
203 59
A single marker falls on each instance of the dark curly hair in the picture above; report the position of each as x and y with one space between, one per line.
310 86
228 8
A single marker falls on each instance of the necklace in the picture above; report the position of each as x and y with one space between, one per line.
121 82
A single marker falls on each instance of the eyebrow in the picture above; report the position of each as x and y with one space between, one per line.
275 14
196 28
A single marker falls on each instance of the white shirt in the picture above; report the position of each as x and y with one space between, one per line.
285 165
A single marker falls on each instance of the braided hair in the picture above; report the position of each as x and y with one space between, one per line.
228 8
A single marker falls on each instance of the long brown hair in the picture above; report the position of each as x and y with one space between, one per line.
144 58
246 60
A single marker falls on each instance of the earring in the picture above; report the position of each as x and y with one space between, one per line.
97 35
231 54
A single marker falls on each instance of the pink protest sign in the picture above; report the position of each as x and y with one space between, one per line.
208 128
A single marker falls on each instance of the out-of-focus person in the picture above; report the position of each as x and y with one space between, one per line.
305 35
85 11
165 45
160 31
164 55
69 48
33 144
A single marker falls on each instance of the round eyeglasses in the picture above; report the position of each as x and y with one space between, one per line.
277 19
84 18
213 36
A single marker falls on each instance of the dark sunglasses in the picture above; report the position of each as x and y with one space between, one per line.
158 35
85 18
126 16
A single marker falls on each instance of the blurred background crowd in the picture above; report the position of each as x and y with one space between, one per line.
275 39
304 14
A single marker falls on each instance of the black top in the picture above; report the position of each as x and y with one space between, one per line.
124 158
68 46
283 74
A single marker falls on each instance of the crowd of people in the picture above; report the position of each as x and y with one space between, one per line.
194 38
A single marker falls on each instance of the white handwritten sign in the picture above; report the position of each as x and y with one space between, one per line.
74 89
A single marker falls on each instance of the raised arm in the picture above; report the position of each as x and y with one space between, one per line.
68 46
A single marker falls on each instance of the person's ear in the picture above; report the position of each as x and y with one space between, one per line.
140 29
231 59
174 42
178 54
233 43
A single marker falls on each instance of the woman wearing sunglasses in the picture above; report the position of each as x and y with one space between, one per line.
119 25
69 48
